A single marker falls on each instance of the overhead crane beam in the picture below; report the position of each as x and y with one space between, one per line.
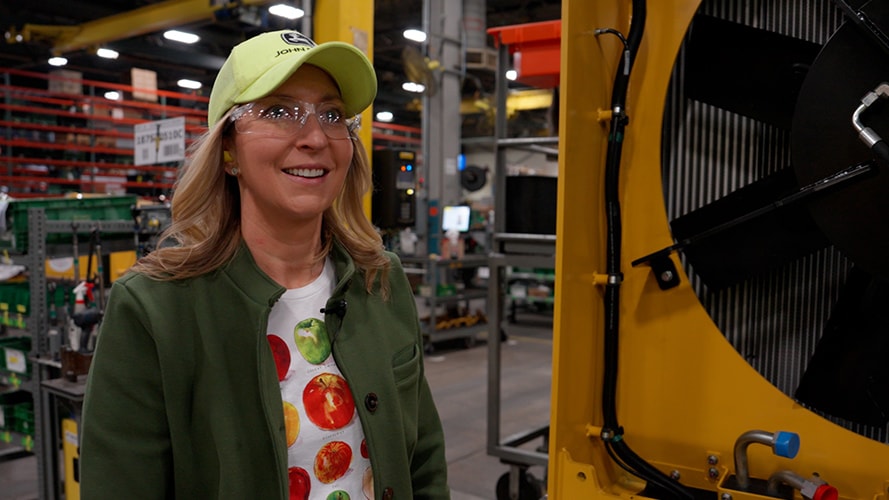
136 22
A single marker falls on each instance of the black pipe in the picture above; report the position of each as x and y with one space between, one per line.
612 433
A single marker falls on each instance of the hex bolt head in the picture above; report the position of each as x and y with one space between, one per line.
712 459
667 276
713 472
675 475
726 496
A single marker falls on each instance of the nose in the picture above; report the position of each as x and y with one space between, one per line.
311 135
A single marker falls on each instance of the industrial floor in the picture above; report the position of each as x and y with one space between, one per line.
459 380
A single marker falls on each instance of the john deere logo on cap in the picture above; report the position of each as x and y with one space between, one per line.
297 38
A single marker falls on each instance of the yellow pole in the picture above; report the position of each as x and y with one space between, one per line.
349 21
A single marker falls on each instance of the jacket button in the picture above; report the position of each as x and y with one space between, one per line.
388 494
371 402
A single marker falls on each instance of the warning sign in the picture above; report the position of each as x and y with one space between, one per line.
159 141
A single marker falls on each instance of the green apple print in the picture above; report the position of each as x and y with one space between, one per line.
338 495
311 339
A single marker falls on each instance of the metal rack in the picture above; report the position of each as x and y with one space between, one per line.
519 250
511 250
433 269
44 385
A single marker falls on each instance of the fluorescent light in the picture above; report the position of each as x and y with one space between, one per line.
112 95
189 84
415 35
413 87
512 74
57 61
107 53
181 36
385 116
286 11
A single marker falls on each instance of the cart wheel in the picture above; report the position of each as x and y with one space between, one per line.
529 488
428 347
469 341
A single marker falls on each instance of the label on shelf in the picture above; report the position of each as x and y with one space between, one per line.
160 141
15 361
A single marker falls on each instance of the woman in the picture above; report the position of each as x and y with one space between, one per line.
274 351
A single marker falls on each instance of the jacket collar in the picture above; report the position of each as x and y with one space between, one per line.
256 284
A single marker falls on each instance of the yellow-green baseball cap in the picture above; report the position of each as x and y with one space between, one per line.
259 65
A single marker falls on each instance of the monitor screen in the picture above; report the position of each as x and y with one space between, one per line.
455 217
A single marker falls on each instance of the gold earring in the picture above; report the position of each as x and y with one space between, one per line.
227 157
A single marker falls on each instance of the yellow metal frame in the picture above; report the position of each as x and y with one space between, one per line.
350 21
684 393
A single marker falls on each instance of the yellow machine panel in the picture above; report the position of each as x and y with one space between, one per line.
63 268
687 403
71 453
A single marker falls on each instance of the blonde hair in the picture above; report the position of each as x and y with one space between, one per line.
206 218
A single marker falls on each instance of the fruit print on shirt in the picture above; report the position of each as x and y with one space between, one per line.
326 454
312 341
328 401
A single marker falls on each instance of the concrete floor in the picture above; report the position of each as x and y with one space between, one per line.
458 377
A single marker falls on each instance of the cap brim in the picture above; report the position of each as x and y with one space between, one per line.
347 65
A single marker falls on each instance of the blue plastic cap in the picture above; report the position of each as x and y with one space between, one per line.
786 444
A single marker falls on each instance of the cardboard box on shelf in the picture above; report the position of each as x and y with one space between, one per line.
144 83
66 81
105 141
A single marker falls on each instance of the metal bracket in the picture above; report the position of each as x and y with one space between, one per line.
664 271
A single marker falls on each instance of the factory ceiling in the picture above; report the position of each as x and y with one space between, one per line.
144 47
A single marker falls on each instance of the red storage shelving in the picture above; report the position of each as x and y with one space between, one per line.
53 142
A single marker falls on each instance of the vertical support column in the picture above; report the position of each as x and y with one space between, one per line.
44 430
353 22
441 111
500 131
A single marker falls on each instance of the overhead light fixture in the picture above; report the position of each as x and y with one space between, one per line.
413 87
415 35
286 11
57 61
181 36
385 116
107 53
512 74
112 95
189 84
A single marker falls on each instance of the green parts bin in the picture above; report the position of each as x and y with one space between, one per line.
17 412
14 226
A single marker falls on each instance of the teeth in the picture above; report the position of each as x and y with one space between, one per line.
305 172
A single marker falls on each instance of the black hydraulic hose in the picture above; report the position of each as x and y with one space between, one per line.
881 149
612 433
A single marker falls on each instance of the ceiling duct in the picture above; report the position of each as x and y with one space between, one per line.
476 51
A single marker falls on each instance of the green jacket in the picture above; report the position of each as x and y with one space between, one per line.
183 398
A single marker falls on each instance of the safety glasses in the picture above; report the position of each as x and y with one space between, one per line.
277 116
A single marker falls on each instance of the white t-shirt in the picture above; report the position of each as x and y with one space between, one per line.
326 453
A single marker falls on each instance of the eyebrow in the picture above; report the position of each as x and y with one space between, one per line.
324 98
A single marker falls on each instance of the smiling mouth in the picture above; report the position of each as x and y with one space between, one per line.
309 173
